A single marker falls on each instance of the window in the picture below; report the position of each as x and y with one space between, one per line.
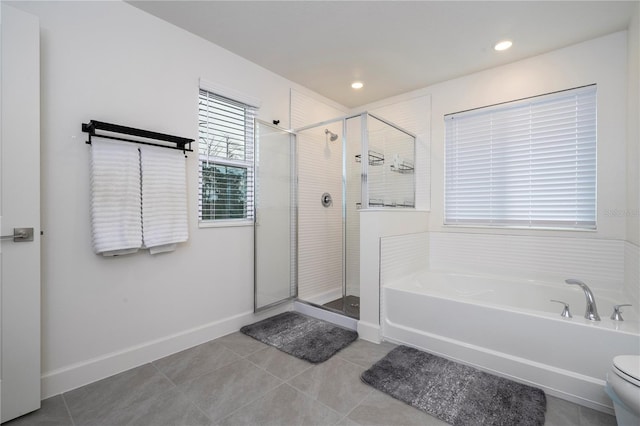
226 134
529 163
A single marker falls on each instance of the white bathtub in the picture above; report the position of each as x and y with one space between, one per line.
510 328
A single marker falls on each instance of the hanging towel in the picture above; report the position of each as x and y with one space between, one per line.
164 198
116 216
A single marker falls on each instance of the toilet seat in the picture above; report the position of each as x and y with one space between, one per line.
627 367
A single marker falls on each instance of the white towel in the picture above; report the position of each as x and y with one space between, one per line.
164 198
116 216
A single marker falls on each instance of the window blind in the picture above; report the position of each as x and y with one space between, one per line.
528 163
226 136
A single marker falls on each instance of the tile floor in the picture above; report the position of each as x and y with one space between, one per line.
236 380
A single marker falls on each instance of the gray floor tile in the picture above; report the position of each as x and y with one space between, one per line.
242 344
590 417
222 387
365 353
225 390
347 422
52 412
279 363
92 403
381 409
561 412
191 363
170 408
283 406
336 383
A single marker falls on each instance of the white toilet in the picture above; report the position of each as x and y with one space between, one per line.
623 386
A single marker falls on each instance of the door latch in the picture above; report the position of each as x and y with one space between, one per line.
20 235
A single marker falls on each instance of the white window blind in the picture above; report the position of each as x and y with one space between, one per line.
527 163
226 136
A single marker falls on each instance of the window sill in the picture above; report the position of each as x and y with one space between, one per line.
518 228
225 223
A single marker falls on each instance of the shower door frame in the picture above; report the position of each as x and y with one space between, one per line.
364 202
343 207
293 188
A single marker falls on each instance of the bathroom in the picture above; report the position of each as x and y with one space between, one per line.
103 316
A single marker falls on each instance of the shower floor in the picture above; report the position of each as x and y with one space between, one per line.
350 305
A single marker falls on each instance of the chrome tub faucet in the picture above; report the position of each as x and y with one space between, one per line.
591 313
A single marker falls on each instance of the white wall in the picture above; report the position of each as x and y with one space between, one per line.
112 62
601 61
545 254
633 129
632 251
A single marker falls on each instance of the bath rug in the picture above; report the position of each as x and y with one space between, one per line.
455 393
304 337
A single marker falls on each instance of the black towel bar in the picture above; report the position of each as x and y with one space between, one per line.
93 126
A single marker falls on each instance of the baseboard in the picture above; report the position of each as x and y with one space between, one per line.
568 385
82 373
369 331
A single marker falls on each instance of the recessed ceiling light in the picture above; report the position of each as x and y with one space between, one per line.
503 45
357 85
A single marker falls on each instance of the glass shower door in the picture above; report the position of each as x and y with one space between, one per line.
275 218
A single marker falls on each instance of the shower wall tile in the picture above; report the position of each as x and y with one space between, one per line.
598 262
632 272
305 110
414 115
320 228
403 255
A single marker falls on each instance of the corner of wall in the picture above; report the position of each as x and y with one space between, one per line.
633 128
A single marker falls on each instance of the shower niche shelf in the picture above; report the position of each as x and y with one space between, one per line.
402 167
375 158
381 203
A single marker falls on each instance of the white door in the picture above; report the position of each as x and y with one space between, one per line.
19 208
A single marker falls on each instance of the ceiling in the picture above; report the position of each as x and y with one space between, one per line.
391 46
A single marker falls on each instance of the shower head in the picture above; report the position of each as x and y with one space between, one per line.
332 136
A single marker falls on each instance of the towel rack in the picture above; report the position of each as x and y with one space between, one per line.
92 126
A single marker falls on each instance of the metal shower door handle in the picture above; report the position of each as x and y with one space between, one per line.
20 235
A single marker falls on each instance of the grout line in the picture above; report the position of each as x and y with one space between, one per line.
245 356
163 375
197 407
268 372
251 402
64 400
308 395
177 388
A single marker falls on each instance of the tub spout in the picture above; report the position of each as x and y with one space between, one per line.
591 312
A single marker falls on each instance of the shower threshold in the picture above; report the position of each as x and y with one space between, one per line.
348 305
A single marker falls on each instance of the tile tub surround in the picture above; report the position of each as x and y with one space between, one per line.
284 391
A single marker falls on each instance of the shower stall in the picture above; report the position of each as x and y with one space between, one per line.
323 176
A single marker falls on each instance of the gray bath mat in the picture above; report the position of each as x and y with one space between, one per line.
304 337
455 393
